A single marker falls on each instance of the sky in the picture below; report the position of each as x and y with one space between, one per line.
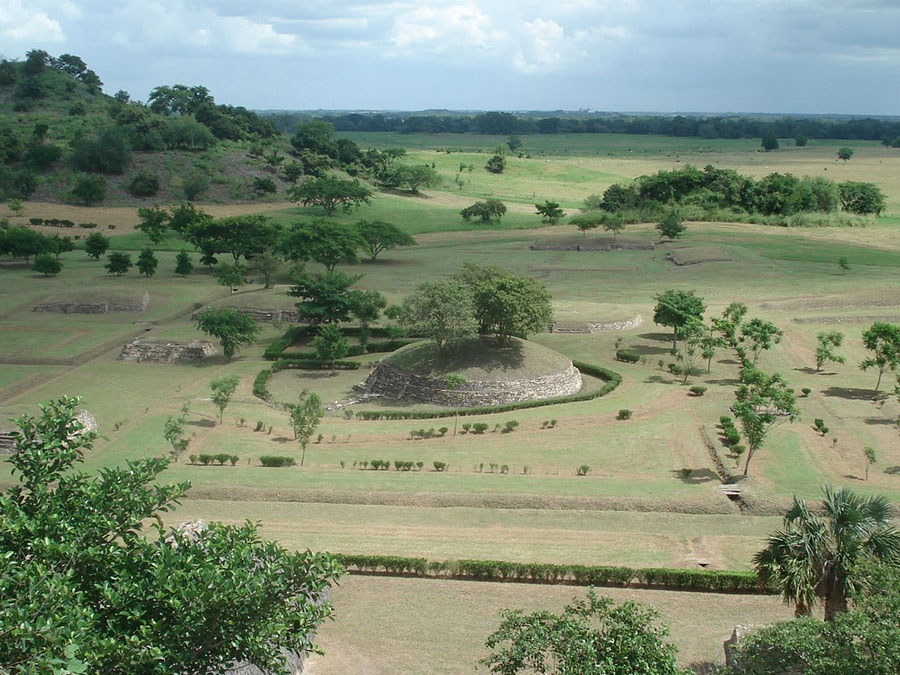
773 56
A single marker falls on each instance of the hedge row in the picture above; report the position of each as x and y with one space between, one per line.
611 378
260 390
627 356
354 350
499 570
294 333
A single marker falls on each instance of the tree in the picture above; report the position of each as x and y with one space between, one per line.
22 242
107 152
760 335
378 236
585 222
844 153
96 244
871 458
223 389
47 264
183 263
489 211
769 142
731 319
231 276
708 345
817 557
513 143
266 263
800 140
844 264
675 308
58 245
324 298
670 225
117 263
496 164
442 311
411 177
239 235
614 223
231 327
453 381
154 223
550 212
331 192
861 198
82 590
883 340
591 637
88 189
324 241
692 334
365 307
173 432
506 304
147 262
827 343
330 345
315 136
305 417
763 402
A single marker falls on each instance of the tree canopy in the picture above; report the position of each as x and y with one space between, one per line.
323 241
378 236
488 211
442 311
324 298
231 327
675 308
331 192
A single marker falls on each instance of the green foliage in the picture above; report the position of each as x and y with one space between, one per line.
862 198
550 212
698 390
194 185
81 590
440 466
443 311
378 236
223 389
147 262
231 327
305 417
88 189
331 192
763 402
623 414
330 344
827 342
627 356
487 212
496 164
118 263
96 245
231 276
324 298
323 241
583 470
47 264
183 263
670 225
154 223
844 153
276 461
769 142
760 335
106 152
268 264
883 340
588 221
409 177
143 184
676 309
263 186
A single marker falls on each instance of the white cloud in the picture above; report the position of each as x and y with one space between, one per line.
542 47
30 26
445 29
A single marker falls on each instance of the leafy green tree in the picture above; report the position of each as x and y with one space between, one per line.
324 298
731 319
241 236
760 335
670 225
708 345
315 136
184 215
800 140
331 192
231 276
506 304
231 327
292 171
107 152
378 236
870 457
442 311
489 211
513 143
769 142
592 203
614 223
83 591
692 334
143 184
147 262
154 223
590 637
223 389
118 263
366 307
817 557
454 381
194 184
844 264
330 344
883 340
496 164
675 308
183 263
861 198
58 245
587 221
173 432
305 417
323 241
550 212
412 177
827 342
844 153
88 189
47 264
763 402
268 264
96 244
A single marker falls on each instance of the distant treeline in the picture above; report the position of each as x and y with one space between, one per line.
502 123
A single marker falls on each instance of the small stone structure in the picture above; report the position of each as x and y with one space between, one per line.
738 634
682 257
100 307
623 245
390 382
146 351
269 315
589 327
8 443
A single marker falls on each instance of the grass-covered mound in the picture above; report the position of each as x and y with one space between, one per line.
480 359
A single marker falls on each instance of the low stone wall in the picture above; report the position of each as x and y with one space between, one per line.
388 381
597 246
94 308
8 443
589 327
145 351
268 315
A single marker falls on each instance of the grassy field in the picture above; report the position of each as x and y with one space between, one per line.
637 505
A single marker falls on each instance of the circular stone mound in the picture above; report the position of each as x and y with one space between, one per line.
495 373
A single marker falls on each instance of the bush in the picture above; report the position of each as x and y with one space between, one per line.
479 427
205 458
276 460
623 414
443 431
510 426
440 466
583 470
88 189
820 426
698 390
806 391
732 436
143 184
194 185
627 356
106 153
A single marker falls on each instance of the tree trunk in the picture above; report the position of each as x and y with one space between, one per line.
709 365
835 603
878 383
750 451
675 338
802 609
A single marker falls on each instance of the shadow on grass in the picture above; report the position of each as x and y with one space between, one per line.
657 337
725 382
850 476
809 370
283 439
892 470
201 423
659 379
854 393
644 350
880 420
695 476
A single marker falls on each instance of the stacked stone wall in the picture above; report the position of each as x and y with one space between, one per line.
596 246
145 351
390 382
94 307
268 315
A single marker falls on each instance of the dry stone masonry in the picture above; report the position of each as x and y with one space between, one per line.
270 315
390 382
146 351
8 442
589 327
622 245
100 307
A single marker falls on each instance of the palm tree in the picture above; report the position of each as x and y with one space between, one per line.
817 556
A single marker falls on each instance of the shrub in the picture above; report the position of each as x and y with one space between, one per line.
627 356
233 459
194 185
443 430
732 436
479 427
205 459
820 426
510 425
193 459
276 460
552 423
726 421
143 184
222 457
466 426
504 468
698 390
738 449
583 470
624 414
806 391
440 466
419 465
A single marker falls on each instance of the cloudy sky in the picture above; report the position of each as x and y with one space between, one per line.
781 56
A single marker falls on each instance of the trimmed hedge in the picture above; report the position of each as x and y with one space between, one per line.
627 356
729 581
611 378
291 335
259 385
